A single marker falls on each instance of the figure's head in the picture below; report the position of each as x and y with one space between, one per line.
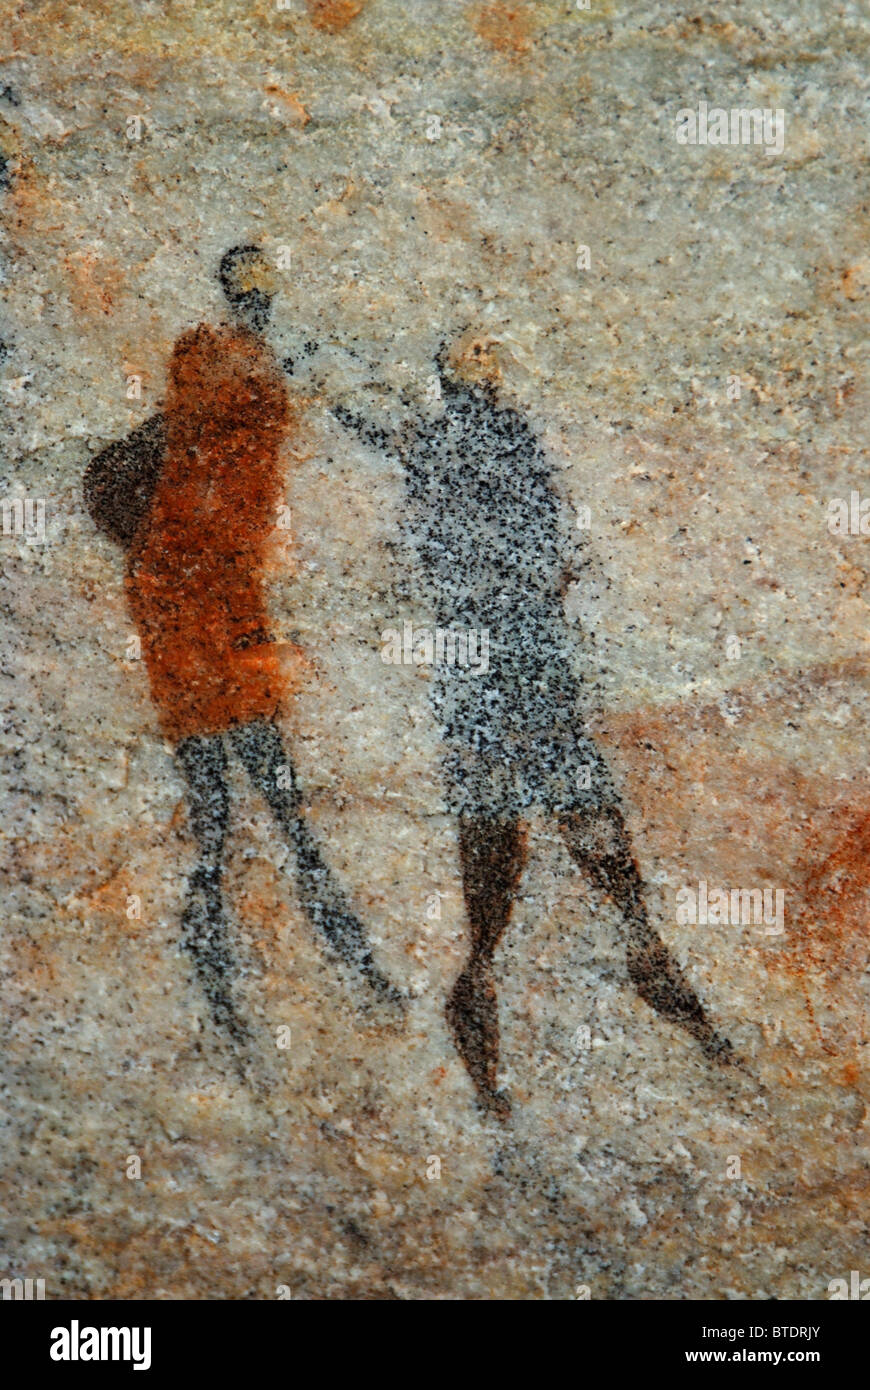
248 282
472 359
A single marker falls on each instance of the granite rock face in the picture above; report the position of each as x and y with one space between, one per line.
249 1040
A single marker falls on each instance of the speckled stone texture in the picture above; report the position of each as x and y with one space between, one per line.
683 330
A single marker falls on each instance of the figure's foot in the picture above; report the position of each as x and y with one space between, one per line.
204 936
661 983
376 999
327 909
472 1016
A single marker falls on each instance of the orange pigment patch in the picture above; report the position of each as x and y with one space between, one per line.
831 926
94 282
855 279
111 897
504 27
33 968
195 581
333 15
447 218
791 830
30 207
290 100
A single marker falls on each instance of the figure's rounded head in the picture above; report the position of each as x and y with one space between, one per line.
248 282
474 359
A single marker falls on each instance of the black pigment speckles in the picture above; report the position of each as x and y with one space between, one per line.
252 304
370 434
260 749
204 763
494 555
205 935
204 925
119 482
493 542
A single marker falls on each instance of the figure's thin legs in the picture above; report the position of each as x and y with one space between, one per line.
599 844
204 925
261 749
492 855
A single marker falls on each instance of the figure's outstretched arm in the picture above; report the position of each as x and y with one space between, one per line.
404 562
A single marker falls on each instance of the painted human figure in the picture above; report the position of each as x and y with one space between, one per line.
485 522
195 586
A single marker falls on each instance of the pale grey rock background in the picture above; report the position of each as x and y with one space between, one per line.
307 128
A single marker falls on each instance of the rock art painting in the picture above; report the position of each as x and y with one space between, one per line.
434 520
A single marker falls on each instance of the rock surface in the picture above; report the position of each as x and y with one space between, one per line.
684 329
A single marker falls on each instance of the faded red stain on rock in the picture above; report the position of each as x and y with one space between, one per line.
333 15
830 926
772 823
291 101
504 27
94 282
855 279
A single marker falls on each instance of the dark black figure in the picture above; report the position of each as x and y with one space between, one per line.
486 525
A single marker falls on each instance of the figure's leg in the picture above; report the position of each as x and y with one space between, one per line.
204 926
260 747
492 854
599 844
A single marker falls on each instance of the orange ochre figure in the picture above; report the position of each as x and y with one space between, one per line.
192 495
194 580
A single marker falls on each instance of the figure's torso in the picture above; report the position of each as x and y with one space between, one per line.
484 520
195 578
